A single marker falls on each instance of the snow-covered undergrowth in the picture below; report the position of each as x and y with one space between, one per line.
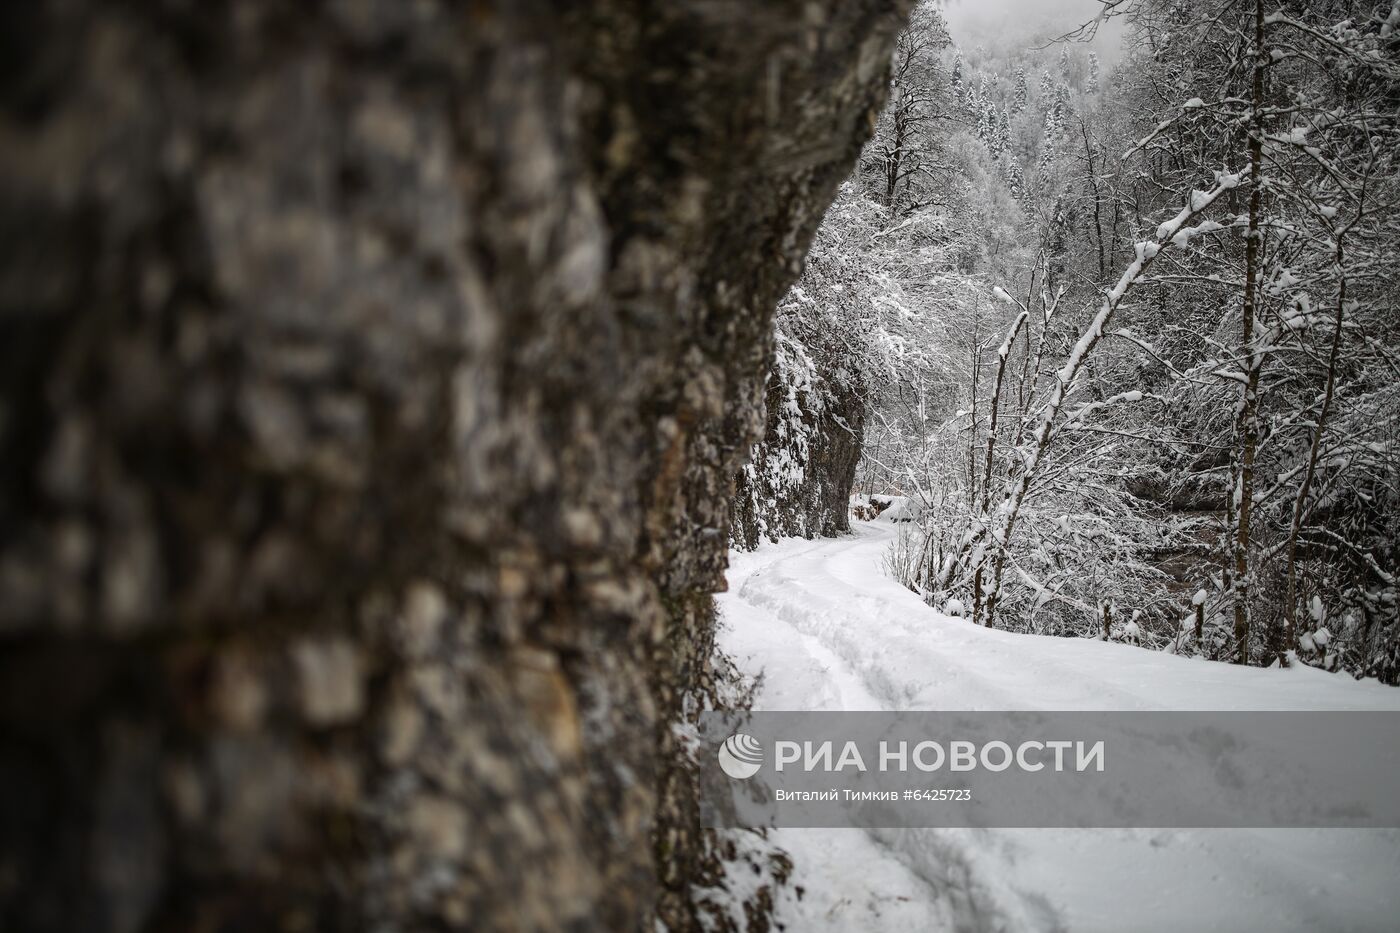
820 627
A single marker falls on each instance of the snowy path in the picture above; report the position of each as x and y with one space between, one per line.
826 630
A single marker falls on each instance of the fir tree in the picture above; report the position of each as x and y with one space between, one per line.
1003 135
1054 126
1015 178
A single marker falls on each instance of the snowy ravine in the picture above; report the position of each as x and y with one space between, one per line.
825 629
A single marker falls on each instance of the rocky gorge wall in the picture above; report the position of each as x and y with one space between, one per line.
798 480
373 376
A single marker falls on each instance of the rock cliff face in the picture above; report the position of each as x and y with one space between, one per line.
372 379
799 476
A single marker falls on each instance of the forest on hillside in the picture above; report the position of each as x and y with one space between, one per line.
1122 329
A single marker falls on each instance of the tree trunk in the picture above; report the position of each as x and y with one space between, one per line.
374 377
1246 425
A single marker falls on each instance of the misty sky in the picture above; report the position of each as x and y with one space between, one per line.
1034 21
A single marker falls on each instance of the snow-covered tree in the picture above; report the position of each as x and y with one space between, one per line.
898 159
1167 364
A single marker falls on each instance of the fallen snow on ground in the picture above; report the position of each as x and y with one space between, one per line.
823 629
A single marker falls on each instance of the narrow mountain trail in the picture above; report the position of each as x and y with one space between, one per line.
820 627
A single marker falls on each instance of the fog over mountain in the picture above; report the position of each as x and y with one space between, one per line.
1029 23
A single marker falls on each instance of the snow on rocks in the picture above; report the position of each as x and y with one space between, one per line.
898 509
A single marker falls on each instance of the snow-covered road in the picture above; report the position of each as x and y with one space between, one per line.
824 629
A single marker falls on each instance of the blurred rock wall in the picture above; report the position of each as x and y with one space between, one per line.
373 375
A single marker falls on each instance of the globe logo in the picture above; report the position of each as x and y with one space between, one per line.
741 756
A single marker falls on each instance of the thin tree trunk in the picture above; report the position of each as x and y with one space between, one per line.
1247 428
1094 187
973 492
1003 354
